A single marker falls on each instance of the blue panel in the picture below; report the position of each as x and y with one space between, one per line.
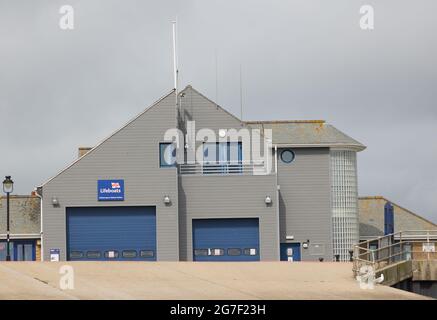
21 250
226 240
290 250
389 224
110 190
104 233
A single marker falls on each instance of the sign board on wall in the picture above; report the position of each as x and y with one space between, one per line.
54 255
428 247
110 190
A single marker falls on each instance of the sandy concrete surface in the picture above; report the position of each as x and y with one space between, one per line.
188 280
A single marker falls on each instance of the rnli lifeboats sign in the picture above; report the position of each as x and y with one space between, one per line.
110 190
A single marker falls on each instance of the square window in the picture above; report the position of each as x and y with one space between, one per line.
234 252
147 253
93 254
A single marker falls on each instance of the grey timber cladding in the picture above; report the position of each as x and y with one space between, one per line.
132 154
305 199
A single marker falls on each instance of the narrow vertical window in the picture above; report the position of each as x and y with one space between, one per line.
167 154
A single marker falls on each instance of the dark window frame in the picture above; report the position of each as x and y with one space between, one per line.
162 163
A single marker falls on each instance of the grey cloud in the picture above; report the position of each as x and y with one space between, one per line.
300 60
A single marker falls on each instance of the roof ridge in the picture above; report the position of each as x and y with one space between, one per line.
283 121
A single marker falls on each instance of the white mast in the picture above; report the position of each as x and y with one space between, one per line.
241 94
175 60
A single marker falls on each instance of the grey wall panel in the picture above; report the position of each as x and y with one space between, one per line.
206 114
131 154
305 200
227 196
195 106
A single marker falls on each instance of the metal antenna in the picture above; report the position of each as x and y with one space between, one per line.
241 94
175 60
216 78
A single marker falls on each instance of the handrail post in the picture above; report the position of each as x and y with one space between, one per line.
401 246
427 240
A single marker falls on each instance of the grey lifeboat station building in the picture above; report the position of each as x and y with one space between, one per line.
180 183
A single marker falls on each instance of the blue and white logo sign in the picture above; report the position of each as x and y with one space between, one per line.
110 190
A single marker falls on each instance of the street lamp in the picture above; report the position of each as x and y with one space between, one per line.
8 187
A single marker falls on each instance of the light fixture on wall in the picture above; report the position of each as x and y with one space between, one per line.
268 200
167 200
55 202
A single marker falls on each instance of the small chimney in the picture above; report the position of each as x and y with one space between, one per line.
83 151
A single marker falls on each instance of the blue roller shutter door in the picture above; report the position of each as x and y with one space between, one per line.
111 233
226 240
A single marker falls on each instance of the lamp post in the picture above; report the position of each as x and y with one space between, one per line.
8 187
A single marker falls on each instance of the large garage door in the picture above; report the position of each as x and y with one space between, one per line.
226 240
111 233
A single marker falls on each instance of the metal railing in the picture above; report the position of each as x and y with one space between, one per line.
224 168
393 248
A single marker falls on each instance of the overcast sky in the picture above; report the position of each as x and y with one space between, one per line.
305 59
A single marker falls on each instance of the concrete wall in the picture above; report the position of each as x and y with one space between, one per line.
131 154
305 200
24 215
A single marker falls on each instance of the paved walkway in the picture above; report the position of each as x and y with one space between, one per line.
186 280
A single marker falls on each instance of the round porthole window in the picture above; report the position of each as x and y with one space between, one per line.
287 156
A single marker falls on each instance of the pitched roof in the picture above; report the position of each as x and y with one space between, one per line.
371 216
303 133
306 133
